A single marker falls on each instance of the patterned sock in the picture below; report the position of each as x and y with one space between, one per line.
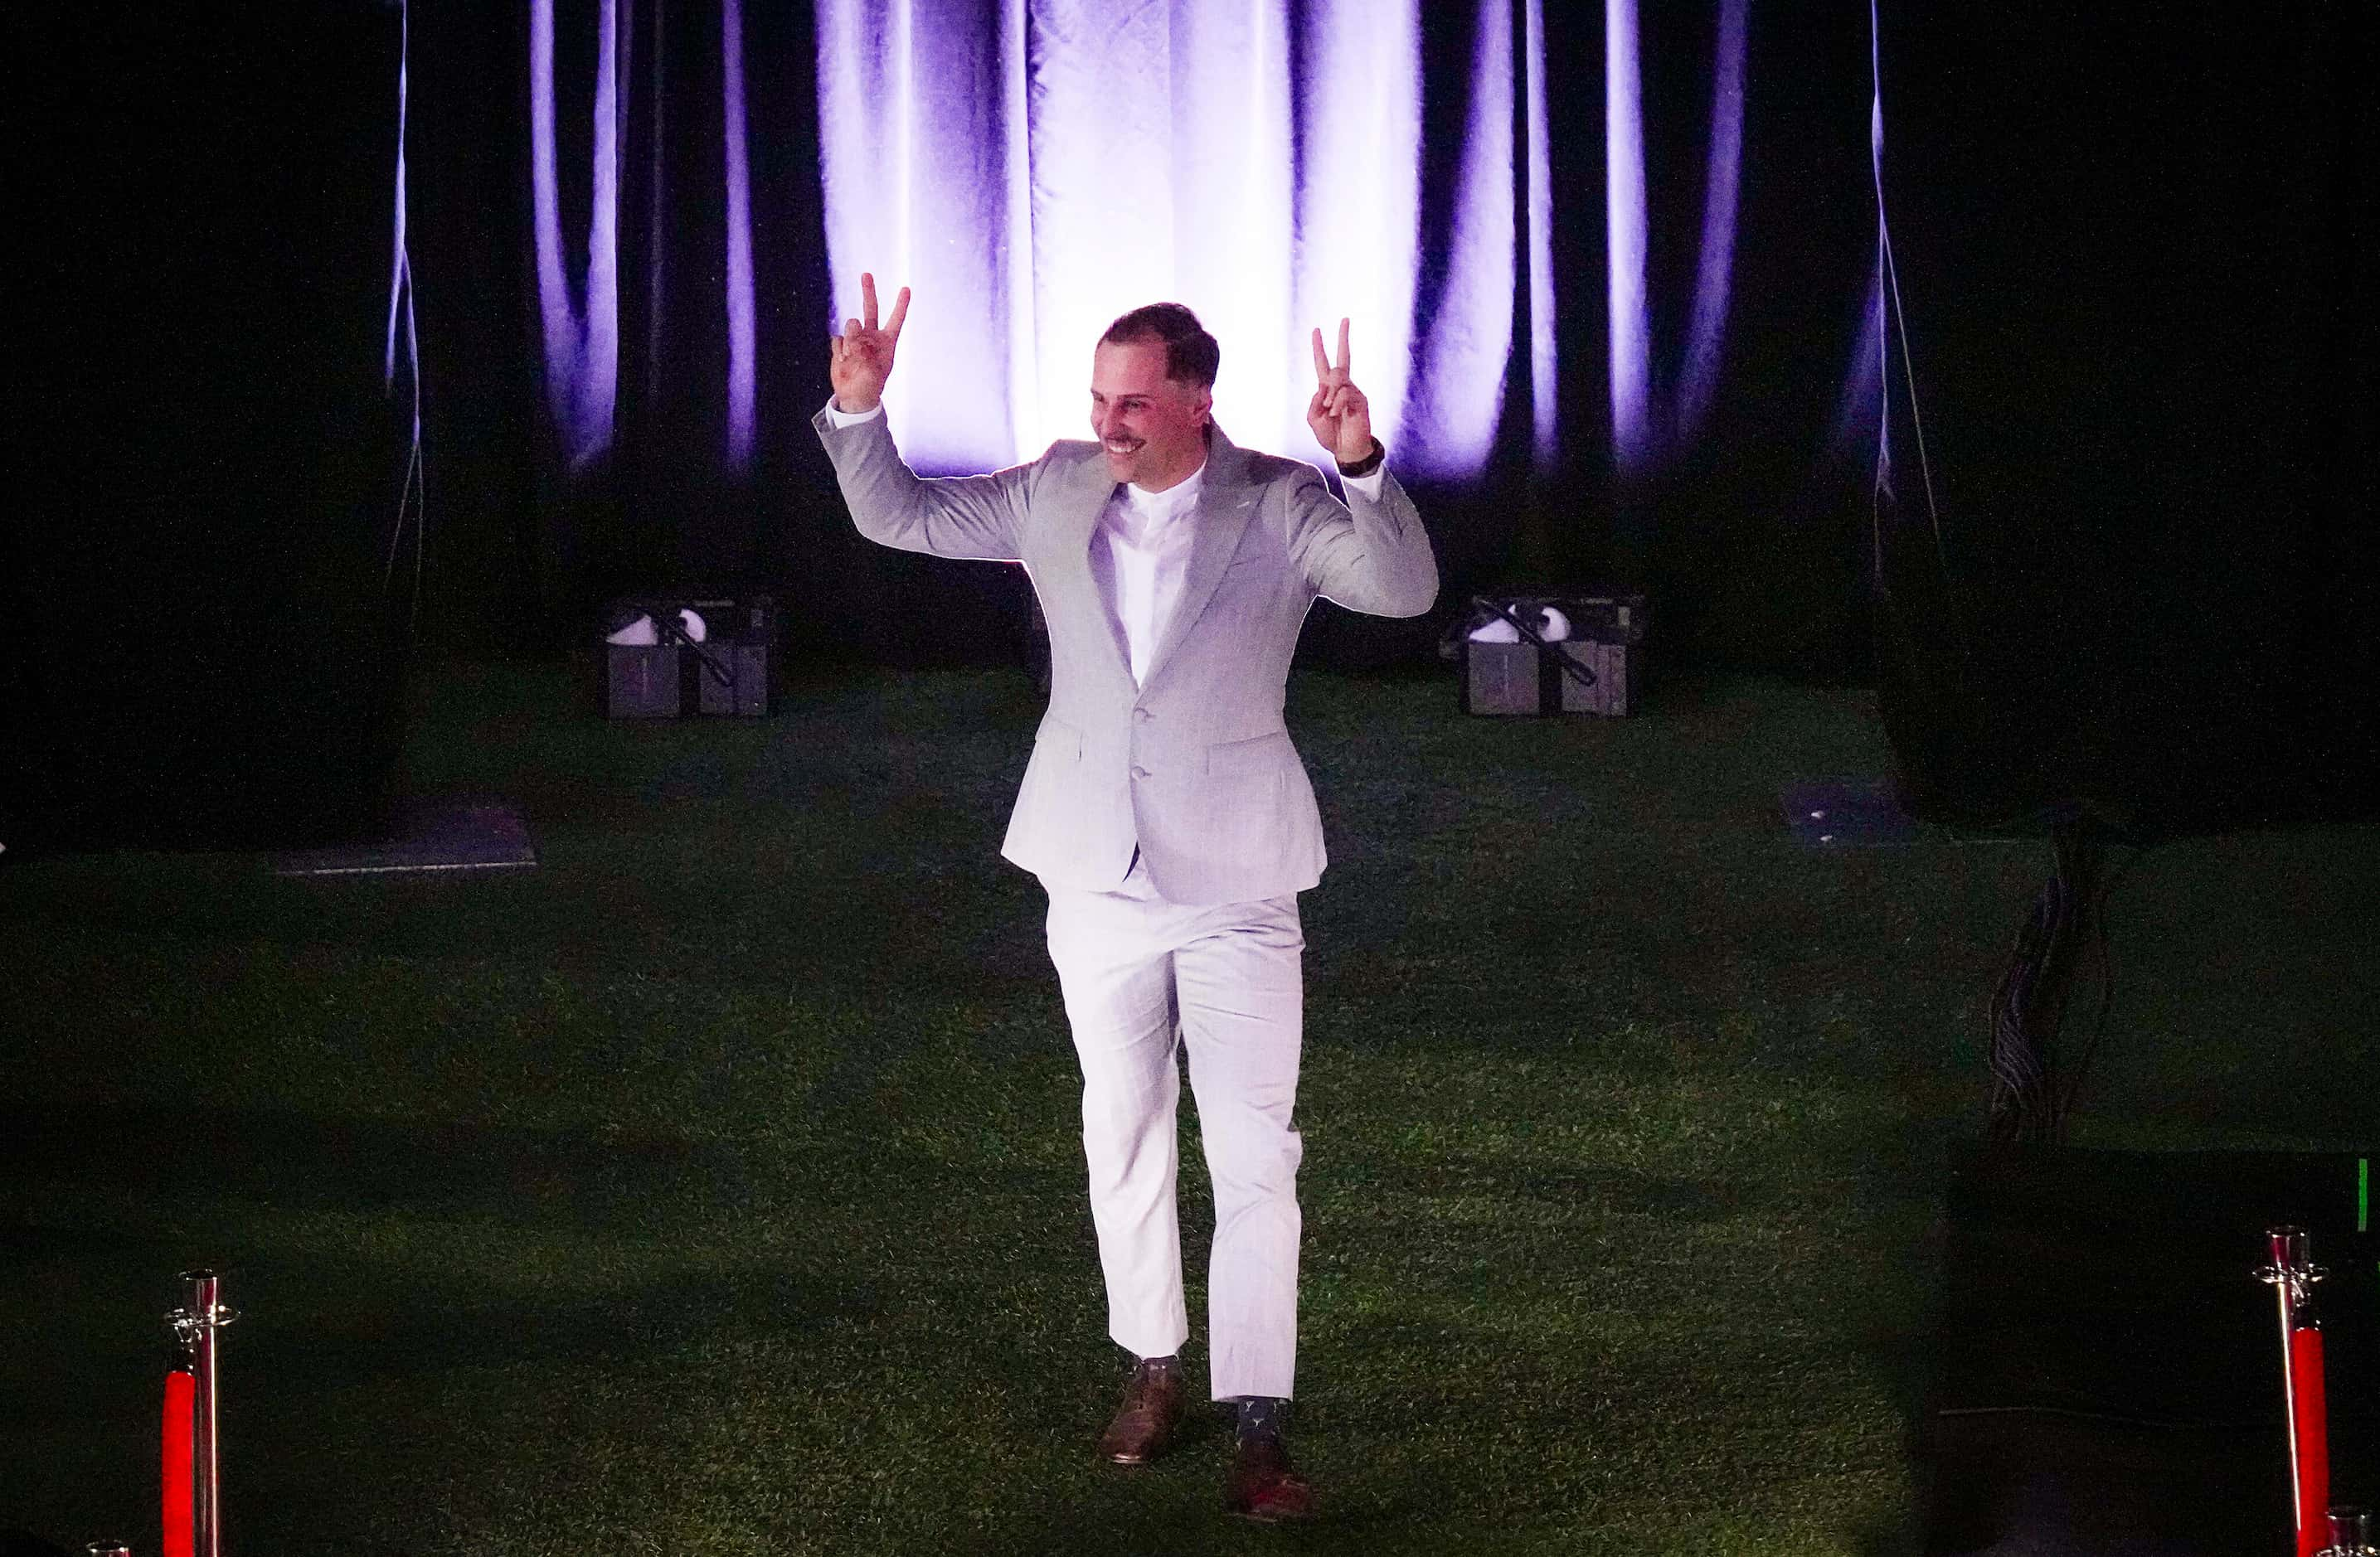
1170 1363
1262 1416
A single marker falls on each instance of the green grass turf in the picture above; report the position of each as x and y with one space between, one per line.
714 1187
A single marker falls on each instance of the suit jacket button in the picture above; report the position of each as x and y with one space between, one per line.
1143 715
1139 772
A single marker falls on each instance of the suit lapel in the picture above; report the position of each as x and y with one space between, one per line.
1074 529
1226 502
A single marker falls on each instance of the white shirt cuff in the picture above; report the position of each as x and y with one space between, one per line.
837 417
1367 485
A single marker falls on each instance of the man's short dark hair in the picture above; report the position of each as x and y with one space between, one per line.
1191 355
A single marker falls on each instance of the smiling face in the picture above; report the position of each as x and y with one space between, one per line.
1152 427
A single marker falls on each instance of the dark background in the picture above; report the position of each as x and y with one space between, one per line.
2129 260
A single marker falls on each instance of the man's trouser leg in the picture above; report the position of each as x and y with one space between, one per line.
1242 999
1132 966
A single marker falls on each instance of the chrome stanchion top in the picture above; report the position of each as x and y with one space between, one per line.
204 1308
107 1549
2293 1268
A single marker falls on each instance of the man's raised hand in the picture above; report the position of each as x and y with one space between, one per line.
862 354
1339 415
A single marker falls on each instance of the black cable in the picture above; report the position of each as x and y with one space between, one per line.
2028 1007
2103 944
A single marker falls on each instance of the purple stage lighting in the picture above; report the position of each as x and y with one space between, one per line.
739 239
1858 413
922 186
1623 163
1460 396
400 264
412 498
582 339
1700 381
1546 439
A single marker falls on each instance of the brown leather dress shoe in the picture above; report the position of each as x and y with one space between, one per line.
1143 1425
1262 1487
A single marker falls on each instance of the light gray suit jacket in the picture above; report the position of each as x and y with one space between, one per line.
1194 765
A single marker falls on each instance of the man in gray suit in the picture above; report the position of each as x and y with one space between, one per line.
1164 808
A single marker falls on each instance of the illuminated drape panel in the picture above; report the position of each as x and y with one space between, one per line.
1700 379
1542 364
412 499
1230 217
1887 289
1859 410
1158 144
581 322
657 193
1623 163
1359 232
1868 379
739 239
1461 395
400 262
913 110
1100 136
1012 302
1035 167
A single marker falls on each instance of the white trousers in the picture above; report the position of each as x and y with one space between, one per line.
1135 970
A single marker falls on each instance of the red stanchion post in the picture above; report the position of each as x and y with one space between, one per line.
196 1324
176 1464
2291 1276
2310 1429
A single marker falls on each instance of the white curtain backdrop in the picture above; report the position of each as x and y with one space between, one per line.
1033 168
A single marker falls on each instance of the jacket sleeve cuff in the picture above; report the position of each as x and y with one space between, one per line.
838 418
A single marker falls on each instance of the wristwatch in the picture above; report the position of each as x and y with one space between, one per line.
1368 463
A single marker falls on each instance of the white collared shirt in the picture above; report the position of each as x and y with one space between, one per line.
1140 557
